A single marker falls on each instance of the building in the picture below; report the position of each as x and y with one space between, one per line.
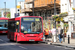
44 8
67 7
27 8
2 12
13 11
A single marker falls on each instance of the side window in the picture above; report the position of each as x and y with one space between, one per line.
11 26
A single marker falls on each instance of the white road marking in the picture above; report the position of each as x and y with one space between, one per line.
23 47
1 40
7 44
62 47
68 48
57 46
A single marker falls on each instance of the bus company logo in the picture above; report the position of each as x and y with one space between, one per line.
31 34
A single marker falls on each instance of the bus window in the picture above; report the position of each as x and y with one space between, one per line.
0 25
31 25
4 23
12 26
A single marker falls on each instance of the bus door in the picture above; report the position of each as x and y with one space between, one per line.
17 27
11 28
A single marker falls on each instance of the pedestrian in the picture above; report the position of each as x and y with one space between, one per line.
50 34
53 31
46 33
60 34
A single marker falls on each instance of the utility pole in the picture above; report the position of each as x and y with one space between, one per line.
5 9
55 12
33 7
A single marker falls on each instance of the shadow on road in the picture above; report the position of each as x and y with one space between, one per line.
23 42
3 34
29 42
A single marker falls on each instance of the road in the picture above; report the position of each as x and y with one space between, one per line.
5 44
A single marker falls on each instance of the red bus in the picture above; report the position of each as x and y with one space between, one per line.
3 25
25 28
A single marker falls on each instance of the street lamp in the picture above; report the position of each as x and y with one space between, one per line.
16 5
33 7
5 9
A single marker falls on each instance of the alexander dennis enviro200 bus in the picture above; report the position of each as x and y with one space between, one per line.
25 28
3 25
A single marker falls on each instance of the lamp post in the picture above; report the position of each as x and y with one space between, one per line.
16 6
33 7
5 9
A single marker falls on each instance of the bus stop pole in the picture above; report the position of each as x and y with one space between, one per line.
63 36
68 39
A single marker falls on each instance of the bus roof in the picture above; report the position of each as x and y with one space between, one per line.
28 16
18 18
3 18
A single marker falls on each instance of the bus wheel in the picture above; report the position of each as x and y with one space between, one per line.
16 40
10 40
37 42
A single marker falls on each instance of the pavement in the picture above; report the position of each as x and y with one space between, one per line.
64 44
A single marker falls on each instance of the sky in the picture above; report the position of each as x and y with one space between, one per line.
9 3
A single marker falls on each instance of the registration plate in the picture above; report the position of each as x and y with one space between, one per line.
31 40
3 32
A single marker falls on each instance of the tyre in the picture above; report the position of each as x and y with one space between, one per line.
37 42
16 40
10 40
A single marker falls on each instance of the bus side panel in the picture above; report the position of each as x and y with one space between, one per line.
10 35
16 34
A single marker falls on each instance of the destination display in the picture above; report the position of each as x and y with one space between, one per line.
3 20
31 19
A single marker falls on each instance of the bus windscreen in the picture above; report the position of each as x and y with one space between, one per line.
3 23
31 25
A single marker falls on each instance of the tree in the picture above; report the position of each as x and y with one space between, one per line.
0 15
8 15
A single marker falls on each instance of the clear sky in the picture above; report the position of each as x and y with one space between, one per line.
9 3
